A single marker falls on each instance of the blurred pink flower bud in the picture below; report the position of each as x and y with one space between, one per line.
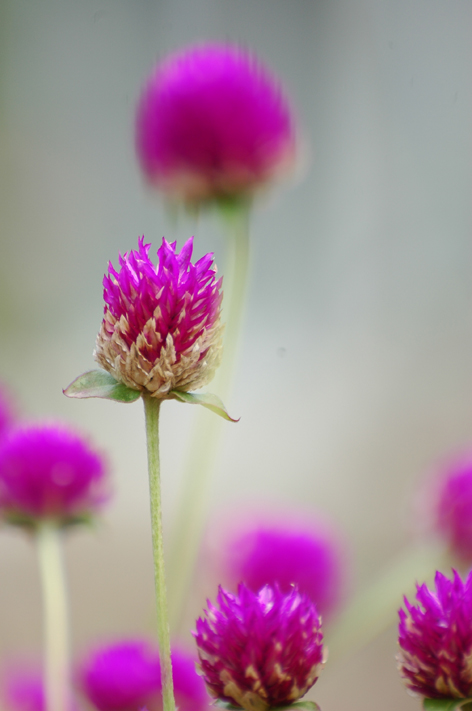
435 638
126 676
283 548
212 122
445 505
49 472
161 330
260 650
23 689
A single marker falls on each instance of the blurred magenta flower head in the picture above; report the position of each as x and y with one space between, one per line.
435 637
446 501
49 472
260 649
126 676
22 688
212 122
283 548
161 330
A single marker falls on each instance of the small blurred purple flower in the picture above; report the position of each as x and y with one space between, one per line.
447 505
122 677
435 637
48 472
212 122
285 549
126 676
161 330
260 650
22 688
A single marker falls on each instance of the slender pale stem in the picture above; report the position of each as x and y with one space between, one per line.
55 611
151 409
190 516
375 607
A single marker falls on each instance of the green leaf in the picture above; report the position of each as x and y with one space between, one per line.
300 705
212 402
99 383
447 704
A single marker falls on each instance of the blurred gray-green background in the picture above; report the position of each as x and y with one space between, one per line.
356 360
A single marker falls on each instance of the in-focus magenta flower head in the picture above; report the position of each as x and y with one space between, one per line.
283 548
260 650
125 676
49 472
445 503
161 330
213 122
435 638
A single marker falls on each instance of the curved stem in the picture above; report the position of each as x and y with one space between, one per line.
55 611
190 516
151 410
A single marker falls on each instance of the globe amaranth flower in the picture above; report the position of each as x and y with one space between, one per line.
447 498
22 688
125 676
49 472
161 330
260 650
435 637
213 122
284 549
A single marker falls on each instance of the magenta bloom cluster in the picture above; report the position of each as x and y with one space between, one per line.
435 638
287 550
161 329
212 121
452 506
125 676
260 650
50 472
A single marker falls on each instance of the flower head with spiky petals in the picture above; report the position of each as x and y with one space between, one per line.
161 330
435 637
49 472
125 676
212 122
260 649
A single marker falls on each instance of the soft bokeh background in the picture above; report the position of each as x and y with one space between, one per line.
355 370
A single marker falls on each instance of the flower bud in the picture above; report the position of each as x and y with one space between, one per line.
212 123
161 329
260 649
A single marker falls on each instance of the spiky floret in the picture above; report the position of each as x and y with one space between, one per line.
161 329
260 649
435 637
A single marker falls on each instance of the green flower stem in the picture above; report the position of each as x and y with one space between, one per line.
55 611
151 409
190 516
375 608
